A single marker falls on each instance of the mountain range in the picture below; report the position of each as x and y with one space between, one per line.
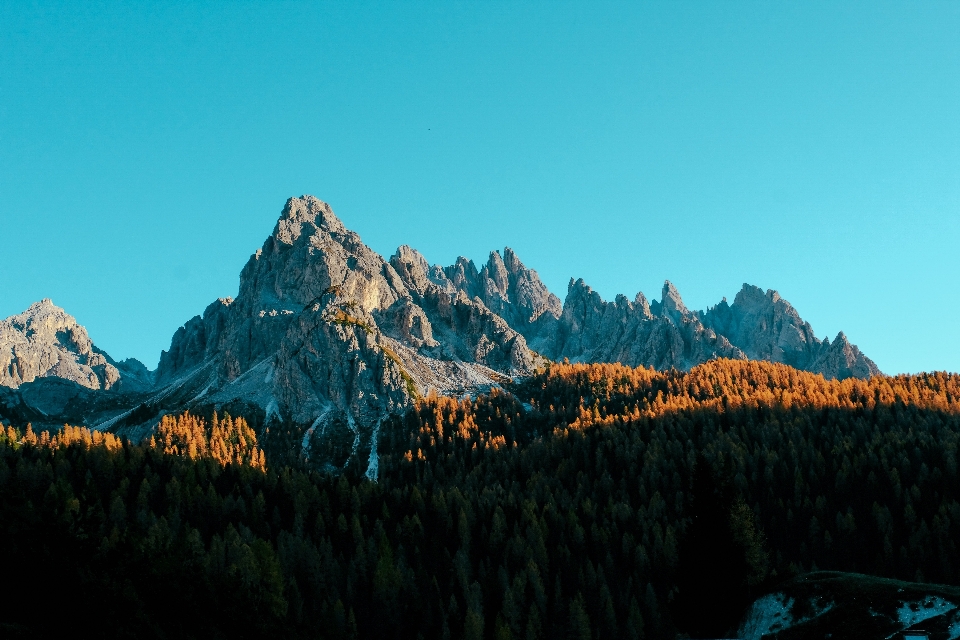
329 337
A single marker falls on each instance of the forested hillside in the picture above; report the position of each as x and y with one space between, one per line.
589 501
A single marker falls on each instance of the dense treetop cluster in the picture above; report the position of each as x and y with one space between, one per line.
226 440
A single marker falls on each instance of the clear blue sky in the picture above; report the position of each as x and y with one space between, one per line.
146 150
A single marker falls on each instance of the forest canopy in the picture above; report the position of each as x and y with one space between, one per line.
588 501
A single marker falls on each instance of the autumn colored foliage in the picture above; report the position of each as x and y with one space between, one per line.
227 440
67 436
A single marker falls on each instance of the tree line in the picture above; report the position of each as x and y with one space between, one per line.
588 501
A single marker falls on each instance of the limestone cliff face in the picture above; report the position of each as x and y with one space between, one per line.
767 327
509 289
45 341
51 373
325 332
586 328
662 335
841 360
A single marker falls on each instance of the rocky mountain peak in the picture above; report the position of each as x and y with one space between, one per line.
764 326
671 304
641 303
663 334
496 271
311 254
43 315
324 331
507 288
327 335
412 268
408 255
841 359
517 285
45 305
464 276
511 261
306 210
767 327
46 341
749 295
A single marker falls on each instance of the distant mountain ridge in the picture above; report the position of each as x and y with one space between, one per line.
45 341
661 334
327 334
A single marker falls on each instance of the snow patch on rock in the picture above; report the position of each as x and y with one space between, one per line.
768 614
772 613
954 631
912 613
373 467
272 410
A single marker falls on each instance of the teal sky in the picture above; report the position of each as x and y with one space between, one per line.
146 150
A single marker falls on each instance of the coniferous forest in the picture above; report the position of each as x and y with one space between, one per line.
588 501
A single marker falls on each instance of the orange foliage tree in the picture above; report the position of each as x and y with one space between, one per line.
227 440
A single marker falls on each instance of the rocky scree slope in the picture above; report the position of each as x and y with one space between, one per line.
327 337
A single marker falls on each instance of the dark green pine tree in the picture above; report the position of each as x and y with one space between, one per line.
718 567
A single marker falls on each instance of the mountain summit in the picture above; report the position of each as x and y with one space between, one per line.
325 332
47 342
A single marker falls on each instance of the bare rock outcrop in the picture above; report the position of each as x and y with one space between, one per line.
46 341
662 335
841 360
51 373
767 327
324 332
509 289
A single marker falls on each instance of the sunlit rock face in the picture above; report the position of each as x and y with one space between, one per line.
767 327
45 341
662 334
52 373
326 332
841 360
